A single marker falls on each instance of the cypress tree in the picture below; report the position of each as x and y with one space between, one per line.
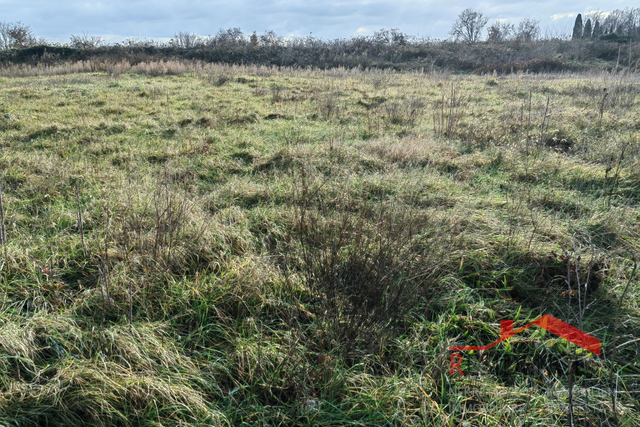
577 28
586 33
597 30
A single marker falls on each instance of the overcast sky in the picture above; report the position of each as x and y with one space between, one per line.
116 20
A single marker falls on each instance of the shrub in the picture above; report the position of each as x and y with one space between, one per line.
367 263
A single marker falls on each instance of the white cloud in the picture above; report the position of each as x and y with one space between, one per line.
362 30
598 13
564 15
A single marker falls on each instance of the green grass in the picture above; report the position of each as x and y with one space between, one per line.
302 247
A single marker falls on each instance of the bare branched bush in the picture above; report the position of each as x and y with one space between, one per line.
328 105
276 93
137 42
85 41
218 79
405 113
185 40
368 264
162 232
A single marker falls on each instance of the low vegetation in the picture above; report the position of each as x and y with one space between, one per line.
185 243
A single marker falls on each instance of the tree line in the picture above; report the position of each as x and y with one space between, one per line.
469 27
619 24
473 46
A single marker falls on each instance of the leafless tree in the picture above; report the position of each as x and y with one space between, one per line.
5 40
229 37
631 21
15 35
500 31
184 40
469 25
85 41
136 42
623 22
391 37
528 30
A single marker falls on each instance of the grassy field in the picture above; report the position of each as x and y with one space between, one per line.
191 244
